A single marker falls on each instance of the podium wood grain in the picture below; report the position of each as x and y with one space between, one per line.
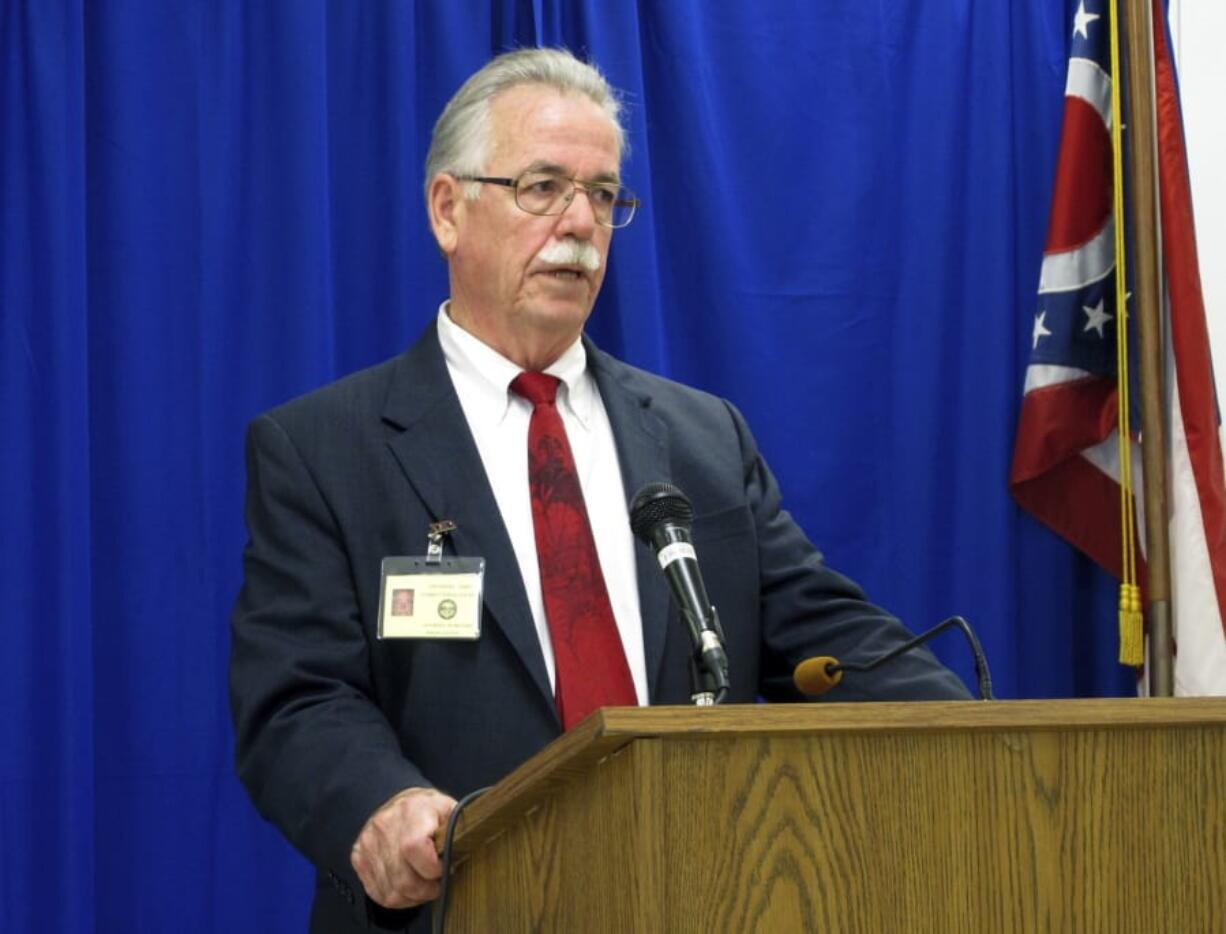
1104 815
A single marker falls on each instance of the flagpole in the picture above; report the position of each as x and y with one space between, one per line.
1138 33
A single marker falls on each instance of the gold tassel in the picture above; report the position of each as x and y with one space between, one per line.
1132 635
1132 620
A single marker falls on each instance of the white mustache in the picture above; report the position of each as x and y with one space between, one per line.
571 252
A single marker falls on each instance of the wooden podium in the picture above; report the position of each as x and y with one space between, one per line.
1092 815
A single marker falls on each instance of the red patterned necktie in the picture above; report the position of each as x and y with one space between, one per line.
591 669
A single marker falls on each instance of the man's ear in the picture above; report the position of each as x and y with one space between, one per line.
445 201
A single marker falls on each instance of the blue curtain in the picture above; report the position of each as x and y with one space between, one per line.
208 208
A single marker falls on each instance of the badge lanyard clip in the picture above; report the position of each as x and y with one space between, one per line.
434 540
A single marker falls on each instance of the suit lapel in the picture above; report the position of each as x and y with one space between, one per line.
642 450
440 460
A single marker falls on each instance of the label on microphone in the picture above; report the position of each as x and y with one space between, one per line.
677 550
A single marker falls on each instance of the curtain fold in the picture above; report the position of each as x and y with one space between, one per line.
206 209
48 747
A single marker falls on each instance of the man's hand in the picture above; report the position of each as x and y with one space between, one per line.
394 855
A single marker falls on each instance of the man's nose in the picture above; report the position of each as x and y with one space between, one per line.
578 220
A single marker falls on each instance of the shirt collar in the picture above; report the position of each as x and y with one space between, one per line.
487 374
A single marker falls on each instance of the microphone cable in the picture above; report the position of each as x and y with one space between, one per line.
438 911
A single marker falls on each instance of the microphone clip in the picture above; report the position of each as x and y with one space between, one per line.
708 663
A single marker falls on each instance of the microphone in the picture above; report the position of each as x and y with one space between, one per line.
661 515
815 676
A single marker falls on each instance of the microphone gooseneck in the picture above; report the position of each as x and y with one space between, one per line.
661 516
815 676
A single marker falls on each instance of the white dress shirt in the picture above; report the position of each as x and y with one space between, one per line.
498 419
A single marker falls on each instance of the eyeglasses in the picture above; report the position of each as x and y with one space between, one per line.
546 194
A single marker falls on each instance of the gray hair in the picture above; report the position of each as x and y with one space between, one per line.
461 141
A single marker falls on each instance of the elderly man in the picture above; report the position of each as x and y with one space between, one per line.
502 420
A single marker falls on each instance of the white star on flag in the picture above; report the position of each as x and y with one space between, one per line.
1040 329
1096 317
1082 21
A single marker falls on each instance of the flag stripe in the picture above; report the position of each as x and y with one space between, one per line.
1082 504
1047 437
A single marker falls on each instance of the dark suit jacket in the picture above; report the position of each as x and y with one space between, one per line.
332 722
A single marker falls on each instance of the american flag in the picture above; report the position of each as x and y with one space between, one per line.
1066 463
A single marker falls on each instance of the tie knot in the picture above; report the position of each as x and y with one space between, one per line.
536 387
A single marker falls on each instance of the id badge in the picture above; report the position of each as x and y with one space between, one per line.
431 598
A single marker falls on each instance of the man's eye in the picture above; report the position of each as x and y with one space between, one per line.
543 188
605 197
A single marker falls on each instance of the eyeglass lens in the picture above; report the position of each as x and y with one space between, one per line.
545 193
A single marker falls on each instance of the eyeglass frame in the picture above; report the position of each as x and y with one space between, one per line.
576 185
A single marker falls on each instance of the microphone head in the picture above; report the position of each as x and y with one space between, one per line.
659 502
813 677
